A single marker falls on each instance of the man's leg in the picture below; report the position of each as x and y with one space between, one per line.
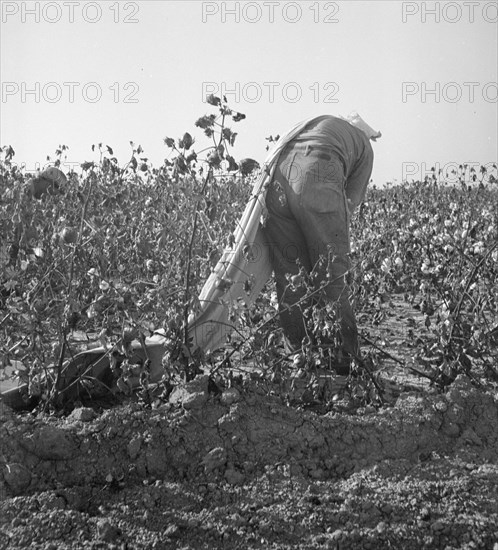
288 251
321 211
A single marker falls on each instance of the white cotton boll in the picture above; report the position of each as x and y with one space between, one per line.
425 267
104 285
479 247
386 265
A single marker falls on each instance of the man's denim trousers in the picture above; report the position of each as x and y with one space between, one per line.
308 218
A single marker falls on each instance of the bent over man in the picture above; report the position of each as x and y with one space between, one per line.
320 177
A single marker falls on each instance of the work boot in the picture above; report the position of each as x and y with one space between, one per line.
310 382
342 368
344 365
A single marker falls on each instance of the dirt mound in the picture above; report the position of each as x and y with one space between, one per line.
242 470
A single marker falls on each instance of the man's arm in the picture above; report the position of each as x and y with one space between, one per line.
358 179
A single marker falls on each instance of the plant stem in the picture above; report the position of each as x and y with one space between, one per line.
189 263
63 333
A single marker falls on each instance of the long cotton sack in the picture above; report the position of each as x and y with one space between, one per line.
243 269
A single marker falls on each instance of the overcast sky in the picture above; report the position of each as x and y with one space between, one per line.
79 73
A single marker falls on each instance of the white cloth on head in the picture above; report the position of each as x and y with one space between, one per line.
355 120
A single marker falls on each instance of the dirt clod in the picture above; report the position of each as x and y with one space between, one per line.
50 443
246 470
17 477
82 414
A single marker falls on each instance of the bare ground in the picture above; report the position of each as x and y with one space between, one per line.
243 469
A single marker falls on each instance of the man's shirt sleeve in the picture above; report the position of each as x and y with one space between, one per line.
357 181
